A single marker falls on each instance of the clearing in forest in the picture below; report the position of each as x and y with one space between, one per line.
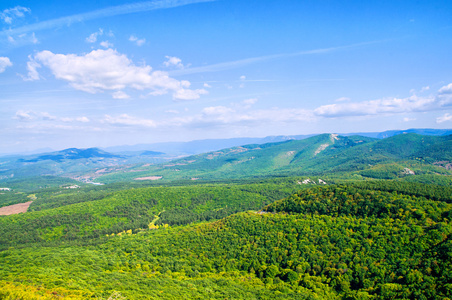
15 209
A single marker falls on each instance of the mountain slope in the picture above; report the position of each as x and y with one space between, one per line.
318 155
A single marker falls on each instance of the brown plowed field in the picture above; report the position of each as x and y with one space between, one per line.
15 209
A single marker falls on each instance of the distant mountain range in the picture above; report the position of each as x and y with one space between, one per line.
71 154
202 146
326 154
386 154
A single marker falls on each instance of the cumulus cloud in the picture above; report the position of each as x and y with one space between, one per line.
186 94
206 85
447 89
444 118
106 44
93 36
137 41
126 120
107 70
172 61
24 116
4 63
8 15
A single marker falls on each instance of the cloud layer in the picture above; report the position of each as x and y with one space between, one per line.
442 100
107 70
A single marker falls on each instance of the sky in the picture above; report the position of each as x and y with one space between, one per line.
104 73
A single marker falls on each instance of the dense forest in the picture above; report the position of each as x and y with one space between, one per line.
265 239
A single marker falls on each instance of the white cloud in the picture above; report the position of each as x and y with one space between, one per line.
34 40
126 120
8 15
48 117
342 99
447 89
217 110
137 41
414 103
375 107
4 63
107 70
82 119
243 77
32 67
120 95
93 36
173 61
206 85
425 88
444 118
23 38
27 116
186 94
106 44
406 119
24 116
250 101
79 119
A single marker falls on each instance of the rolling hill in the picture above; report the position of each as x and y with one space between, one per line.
324 154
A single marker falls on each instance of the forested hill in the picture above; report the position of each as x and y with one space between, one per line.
393 157
71 153
354 241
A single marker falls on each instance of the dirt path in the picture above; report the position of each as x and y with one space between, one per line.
15 209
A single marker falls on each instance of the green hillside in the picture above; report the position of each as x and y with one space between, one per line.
91 212
331 242
321 155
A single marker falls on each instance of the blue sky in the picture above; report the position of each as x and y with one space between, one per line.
103 73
